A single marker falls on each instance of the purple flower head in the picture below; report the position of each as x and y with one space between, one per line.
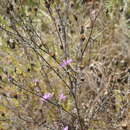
35 80
46 96
66 62
10 79
62 97
65 128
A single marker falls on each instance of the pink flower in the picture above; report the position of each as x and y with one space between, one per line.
62 97
35 80
66 62
65 128
46 96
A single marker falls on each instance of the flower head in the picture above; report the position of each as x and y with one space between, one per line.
35 80
46 96
65 128
62 97
10 79
66 62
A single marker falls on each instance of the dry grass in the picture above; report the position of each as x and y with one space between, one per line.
95 35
